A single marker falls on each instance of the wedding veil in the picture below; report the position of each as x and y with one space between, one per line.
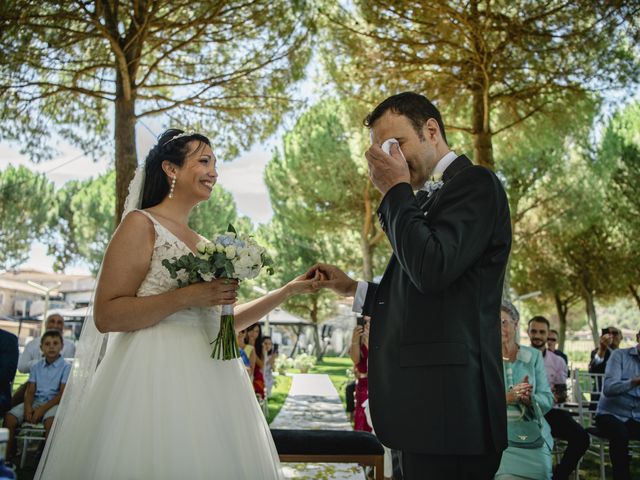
88 353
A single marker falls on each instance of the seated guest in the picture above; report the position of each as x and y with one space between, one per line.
45 386
8 364
552 343
270 355
528 399
562 424
32 353
618 413
609 342
359 353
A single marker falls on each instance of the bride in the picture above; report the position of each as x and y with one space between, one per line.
157 406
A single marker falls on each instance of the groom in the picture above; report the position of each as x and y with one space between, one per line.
435 365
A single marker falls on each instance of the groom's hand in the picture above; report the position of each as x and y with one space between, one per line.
333 278
386 171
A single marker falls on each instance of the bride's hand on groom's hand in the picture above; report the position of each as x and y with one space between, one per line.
220 291
330 276
301 284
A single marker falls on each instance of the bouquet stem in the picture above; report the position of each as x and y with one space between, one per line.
225 346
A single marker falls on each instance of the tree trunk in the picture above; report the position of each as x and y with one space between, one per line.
313 315
298 331
319 351
562 307
588 297
125 141
634 294
482 144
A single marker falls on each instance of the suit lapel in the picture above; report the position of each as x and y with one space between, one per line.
427 202
459 164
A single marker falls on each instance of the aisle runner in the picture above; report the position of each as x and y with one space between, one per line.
313 403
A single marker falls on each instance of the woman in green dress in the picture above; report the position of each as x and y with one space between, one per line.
529 397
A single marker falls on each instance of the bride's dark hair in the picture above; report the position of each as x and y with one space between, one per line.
171 146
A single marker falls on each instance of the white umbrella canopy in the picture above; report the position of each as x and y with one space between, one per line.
281 317
68 313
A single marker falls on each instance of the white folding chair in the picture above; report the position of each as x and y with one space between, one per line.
26 433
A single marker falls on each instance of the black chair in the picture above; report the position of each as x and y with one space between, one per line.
330 446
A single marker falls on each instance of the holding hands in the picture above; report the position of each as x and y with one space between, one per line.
224 291
304 283
331 277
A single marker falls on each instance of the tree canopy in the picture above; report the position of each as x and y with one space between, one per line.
319 184
489 66
87 70
25 205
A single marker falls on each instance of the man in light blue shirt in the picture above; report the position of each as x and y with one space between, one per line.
618 414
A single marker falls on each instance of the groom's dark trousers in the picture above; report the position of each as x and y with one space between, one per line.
436 388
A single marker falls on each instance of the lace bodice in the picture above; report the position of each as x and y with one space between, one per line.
158 279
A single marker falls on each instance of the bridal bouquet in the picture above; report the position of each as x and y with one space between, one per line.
228 255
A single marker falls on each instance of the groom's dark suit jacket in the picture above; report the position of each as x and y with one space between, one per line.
435 358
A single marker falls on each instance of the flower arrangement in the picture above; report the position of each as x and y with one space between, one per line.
228 255
283 363
304 362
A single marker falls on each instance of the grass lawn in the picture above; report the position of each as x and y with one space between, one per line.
19 380
278 395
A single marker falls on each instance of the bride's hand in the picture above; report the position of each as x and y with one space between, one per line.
303 283
220 291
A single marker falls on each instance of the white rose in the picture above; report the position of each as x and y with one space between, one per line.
242 272
219 248
201 246
230 252
211 248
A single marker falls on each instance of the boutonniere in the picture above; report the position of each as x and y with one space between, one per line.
434 184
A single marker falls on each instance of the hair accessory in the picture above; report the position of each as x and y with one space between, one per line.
180 135
173 185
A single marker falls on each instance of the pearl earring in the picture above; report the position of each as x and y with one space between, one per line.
173 185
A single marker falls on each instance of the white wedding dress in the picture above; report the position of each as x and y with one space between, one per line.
160 408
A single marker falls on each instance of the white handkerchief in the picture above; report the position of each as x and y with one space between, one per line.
386 146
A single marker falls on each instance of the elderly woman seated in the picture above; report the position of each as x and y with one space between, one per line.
529 397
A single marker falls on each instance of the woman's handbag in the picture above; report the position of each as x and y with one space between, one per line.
525 431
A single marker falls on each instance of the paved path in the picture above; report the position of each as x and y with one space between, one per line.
313 403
